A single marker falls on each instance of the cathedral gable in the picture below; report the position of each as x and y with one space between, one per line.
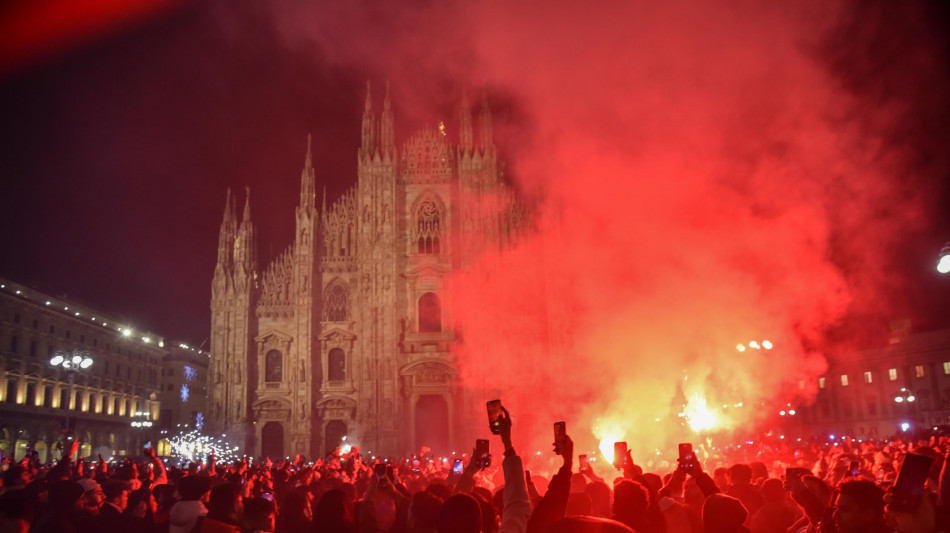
427 158
277 287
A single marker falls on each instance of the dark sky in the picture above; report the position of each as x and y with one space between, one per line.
118 148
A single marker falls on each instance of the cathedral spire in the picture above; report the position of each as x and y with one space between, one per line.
387 128
245 251
369 125
307 192
465 124
226 234
323 208
484 118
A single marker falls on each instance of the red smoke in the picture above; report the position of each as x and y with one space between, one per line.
699 179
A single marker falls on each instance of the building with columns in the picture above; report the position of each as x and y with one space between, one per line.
349 331
119 388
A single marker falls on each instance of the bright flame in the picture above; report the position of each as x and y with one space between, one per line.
607 444
698 416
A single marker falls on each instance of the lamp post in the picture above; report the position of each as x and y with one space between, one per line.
71 362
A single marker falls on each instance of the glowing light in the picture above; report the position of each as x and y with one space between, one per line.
193 446
791 412
905 426
767 345
47 302
782 413
126 332
184 393
56 360
911 398
146 340
200 421
698 416
943 264
345 449
442 128
740 347
606 445
86 363
898 399
754 344
190 373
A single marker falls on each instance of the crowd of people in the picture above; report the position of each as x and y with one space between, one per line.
845 487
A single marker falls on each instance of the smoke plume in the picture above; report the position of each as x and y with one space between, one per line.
700 176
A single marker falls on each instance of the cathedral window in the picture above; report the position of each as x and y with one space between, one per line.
430 313
336 365
272 366
336 304
429 228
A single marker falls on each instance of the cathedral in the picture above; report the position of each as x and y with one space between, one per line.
348 336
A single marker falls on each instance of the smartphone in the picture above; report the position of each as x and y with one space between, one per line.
620 454
559 433
583 463
687 459
494 416
482 456
267 496
854 469
379 470
909 486
457 467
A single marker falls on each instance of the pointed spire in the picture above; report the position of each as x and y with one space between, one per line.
226 233
307 192
466 140
247 206
308 162
387 127
484 119
369 125
323 208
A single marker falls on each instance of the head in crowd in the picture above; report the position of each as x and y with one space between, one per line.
772 490
117 493
194 487
859 507
599 494
460 514
334 512
424 510
16 477
260 514
630 498
65 496
16 511
587 524
93 496
578 504
225 504
740 474
724 514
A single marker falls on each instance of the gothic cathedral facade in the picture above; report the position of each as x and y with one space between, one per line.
349 332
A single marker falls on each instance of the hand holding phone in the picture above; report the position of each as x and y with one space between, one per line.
909 486
583 463
495 415
687 459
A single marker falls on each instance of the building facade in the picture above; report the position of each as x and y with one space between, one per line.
99 403
349 331
183 393
903 387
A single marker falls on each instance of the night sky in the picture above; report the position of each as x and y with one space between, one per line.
119 146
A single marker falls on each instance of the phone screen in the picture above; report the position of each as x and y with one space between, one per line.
686 456
620 453
494 416
379 470
457 467
482 455
909 486
559 433
583 462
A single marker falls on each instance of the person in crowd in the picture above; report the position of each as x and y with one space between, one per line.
225 511
111 517
859 507
334 513
194 491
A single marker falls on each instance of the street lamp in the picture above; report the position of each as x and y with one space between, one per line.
943 261
71 362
